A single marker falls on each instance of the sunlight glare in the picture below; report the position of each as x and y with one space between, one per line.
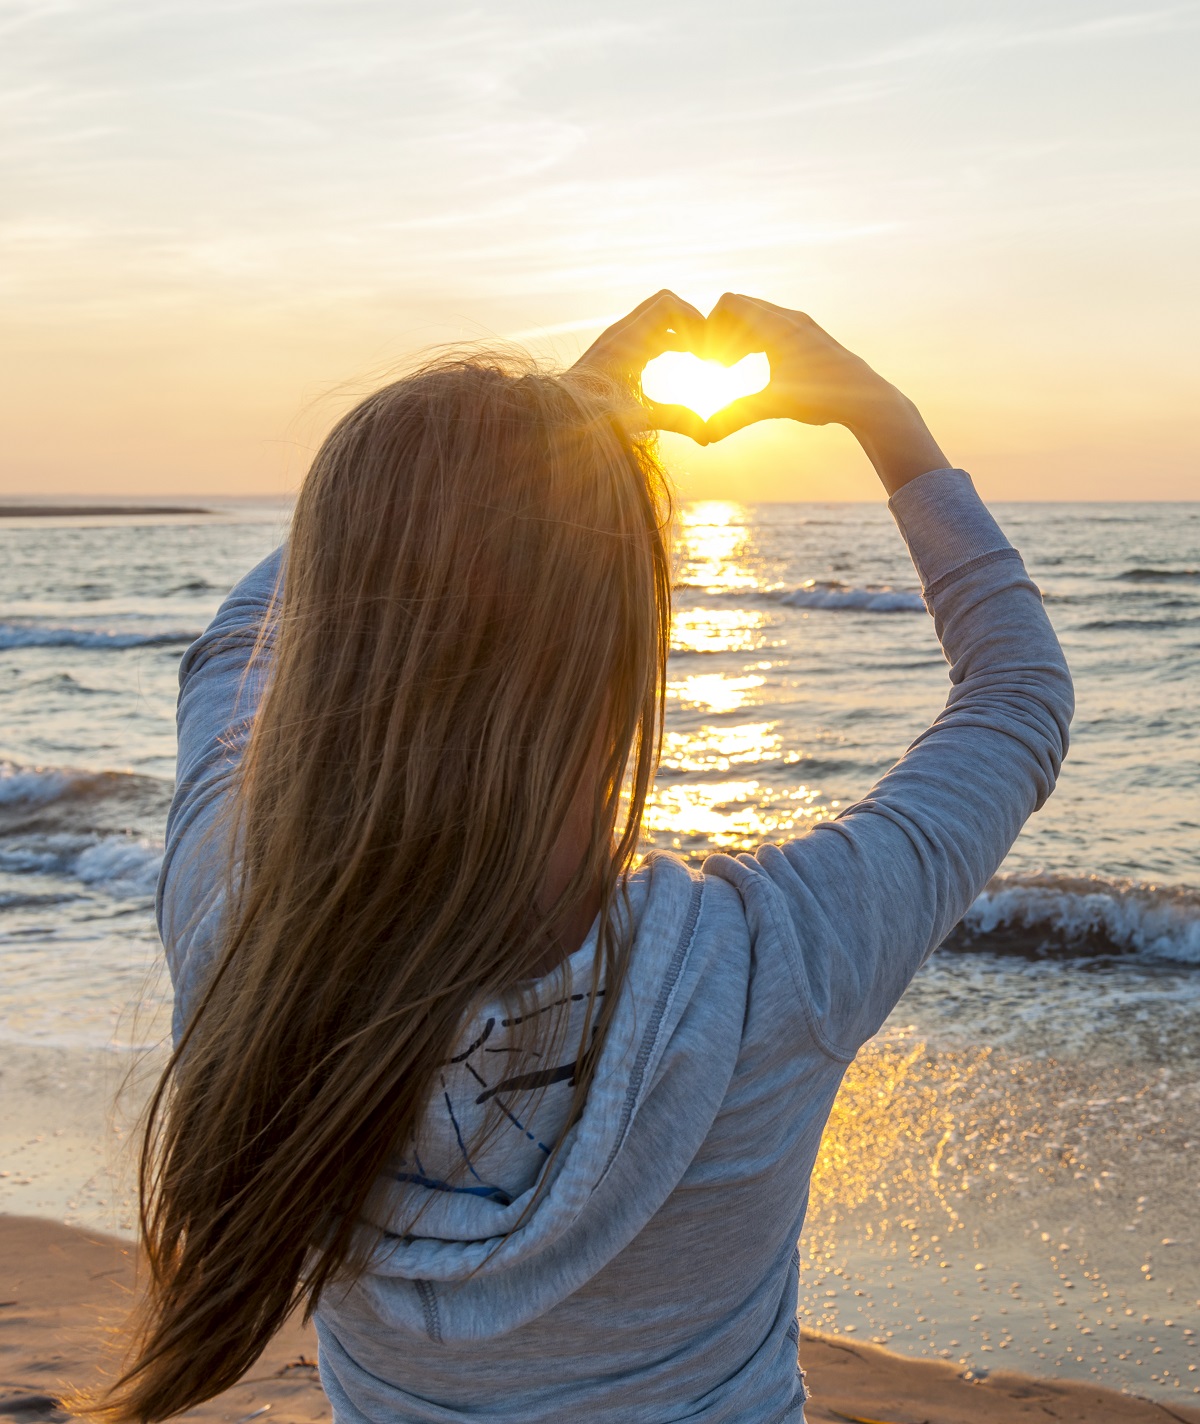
712 748
679 378
712 691
712 542
717 630
732 815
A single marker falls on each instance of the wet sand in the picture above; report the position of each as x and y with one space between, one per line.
973 1210
68 1133
64 1291
1025 1211
63 1294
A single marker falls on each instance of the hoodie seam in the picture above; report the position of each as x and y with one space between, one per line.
651 1035
429 1309
978 561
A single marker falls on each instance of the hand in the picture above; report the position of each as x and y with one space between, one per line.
663 323
819 382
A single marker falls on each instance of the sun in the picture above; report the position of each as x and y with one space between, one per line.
679 378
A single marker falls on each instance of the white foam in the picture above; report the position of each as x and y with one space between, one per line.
32 785
1159 923
120 865
39 785
125 867
838 596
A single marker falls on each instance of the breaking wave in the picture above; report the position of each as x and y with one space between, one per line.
121 865
826 594
835 595
33 786
87 826
1060 917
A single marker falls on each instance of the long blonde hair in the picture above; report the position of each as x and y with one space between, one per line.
475 606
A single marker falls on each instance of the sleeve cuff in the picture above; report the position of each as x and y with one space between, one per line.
944 523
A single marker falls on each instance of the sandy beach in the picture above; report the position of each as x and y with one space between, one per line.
905 1326
63 1291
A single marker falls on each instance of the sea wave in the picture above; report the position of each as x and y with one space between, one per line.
1085 917
16 900
1113 625
193 585
34 786
31 635
122 866
1153 575
827 594
834 594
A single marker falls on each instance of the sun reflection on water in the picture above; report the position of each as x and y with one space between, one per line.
696 818
719 748
717 630
712 691
712 540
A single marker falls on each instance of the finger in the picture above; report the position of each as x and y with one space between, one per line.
740 413
663 322
677 418
762 320
735 327
656 314
621 329
754 310
665 298
678 334
669 313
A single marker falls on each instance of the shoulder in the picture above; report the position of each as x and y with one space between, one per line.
667 888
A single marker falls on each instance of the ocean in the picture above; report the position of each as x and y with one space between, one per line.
1012 1172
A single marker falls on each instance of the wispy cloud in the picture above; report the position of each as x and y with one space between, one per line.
997 36
564 328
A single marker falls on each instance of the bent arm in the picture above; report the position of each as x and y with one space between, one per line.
861 901
219 688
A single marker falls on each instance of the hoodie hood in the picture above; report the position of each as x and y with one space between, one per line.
470 1227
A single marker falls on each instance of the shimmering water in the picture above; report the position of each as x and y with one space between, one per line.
1027 1128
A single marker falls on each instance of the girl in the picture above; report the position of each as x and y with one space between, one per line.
528 1130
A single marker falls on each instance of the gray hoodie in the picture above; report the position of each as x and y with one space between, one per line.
656 1277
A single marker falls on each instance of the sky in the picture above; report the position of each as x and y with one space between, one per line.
221 223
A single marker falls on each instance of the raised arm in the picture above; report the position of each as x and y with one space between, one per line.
861 901
218 691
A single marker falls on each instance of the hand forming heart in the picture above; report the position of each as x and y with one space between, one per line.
812 378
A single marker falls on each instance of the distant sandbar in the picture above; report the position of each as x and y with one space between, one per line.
75 511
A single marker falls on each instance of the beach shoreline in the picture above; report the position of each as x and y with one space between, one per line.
962 1213
65 1290
1010 1173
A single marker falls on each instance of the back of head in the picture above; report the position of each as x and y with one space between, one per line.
476 567
471 636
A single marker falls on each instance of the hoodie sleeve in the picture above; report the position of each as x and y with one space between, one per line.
860 902
219 687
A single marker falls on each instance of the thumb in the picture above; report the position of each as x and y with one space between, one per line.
739 413
677 418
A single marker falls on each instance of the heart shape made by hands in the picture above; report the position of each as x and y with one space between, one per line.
679 378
